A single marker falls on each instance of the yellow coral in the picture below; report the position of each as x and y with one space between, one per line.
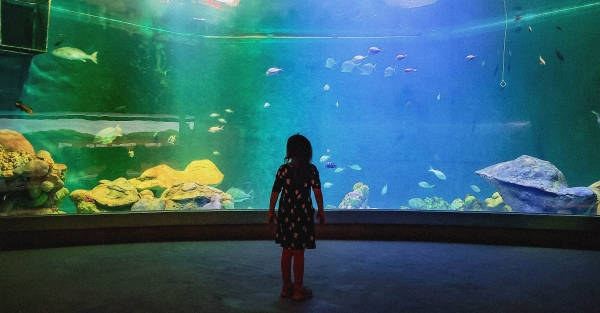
494 201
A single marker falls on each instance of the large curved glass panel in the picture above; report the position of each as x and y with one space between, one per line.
144 105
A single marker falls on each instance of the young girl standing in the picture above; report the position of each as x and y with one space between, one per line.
295 218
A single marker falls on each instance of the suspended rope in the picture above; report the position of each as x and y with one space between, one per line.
502 82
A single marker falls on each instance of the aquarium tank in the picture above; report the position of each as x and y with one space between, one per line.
164 105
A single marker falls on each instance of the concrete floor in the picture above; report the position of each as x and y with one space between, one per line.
346 276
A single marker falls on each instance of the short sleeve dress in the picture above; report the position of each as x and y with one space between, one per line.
295 218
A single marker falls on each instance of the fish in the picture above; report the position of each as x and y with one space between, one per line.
401 56
558 27
475 188
425 184
215 115
267 104
597 117
239 195
171 140
439 96
437 173
496 70
560 56
330 165
518 17
327 185
410 70
389 72
348 67
530 30
384 190
339 169
155 136
23 107
130 153
470 57
324 158
483 63
60 40
222 120
367 69
274 71
330 63
374 50
357 59
355 167
70 53
215 129
337 104
108 135
216 153
542 61
326 87
229 111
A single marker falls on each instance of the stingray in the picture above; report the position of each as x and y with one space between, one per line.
348 67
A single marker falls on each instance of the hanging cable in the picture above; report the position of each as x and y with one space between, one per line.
502 82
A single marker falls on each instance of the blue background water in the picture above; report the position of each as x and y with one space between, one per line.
175 63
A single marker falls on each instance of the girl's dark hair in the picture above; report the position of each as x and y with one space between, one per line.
298 147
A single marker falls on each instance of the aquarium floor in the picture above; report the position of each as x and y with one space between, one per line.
346 276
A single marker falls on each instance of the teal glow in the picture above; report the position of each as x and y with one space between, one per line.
534 16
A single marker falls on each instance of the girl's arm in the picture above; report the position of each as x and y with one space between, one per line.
319 199
272 216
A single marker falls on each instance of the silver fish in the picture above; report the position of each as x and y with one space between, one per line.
70 53
358 59
348 67
367 69
389 72
274 71
384 190
239 195
374 50
475 188
425 184
597 117
330 63
437 173
355 167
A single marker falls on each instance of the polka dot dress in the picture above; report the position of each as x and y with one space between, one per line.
295 218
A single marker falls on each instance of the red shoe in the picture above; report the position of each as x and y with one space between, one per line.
287 291
301 293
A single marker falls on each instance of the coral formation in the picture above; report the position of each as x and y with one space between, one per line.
176 189
29 183
494 201
471 204
416 203
161 177
436 203
194 196
356 199
457 205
